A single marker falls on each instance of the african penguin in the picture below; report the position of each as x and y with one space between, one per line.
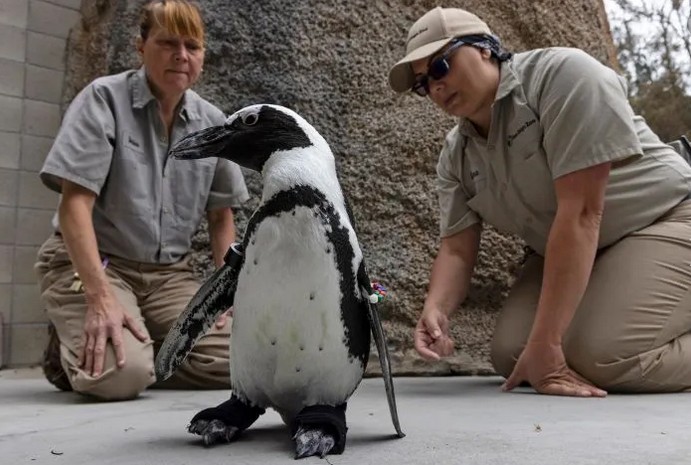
298 286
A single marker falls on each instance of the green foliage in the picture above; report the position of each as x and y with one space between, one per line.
653 39
666 108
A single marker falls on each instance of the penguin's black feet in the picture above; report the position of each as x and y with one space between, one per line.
310 442
319 430
224 422
213 431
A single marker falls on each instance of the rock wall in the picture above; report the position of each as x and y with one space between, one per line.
329 61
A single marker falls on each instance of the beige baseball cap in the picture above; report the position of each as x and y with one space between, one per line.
428 35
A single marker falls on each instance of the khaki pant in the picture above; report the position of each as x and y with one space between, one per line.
632 330
155 295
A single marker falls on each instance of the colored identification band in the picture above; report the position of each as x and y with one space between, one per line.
379 293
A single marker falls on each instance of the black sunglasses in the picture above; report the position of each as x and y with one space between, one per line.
437 69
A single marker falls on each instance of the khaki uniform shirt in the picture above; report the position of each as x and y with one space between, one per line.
557 110
112 142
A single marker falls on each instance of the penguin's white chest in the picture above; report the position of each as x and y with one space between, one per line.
288 339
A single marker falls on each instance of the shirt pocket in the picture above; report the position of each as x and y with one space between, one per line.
131 185
191 189
532 186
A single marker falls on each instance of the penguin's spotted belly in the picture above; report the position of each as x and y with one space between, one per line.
288 345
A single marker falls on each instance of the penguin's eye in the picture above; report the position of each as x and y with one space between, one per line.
250 119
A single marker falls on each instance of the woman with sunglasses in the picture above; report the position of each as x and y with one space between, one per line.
548 148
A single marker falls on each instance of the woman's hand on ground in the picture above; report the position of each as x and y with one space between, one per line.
544 366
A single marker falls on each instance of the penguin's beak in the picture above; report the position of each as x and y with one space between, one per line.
209 142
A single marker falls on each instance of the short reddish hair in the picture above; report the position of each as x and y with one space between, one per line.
178 17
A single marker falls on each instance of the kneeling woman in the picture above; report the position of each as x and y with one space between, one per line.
548 148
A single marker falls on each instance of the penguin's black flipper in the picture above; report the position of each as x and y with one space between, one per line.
382 349
214 297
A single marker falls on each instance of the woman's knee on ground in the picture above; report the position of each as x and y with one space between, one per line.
662 369
207 366
116 383
515 319
599 362
505 349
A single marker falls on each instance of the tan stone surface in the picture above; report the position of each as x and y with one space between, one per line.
329 61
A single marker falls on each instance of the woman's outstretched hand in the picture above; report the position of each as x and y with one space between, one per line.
432 339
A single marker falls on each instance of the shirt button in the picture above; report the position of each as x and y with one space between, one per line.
490 146
166 211
164 244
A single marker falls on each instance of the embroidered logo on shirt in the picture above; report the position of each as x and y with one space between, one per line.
524 126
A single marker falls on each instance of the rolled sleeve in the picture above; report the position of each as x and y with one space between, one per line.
454 213
228 187
83 149
585 113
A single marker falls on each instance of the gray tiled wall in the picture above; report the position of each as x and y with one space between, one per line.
33 37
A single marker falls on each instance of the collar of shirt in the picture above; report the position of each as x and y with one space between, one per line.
142 96
508 81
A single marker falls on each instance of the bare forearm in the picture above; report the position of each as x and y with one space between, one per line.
452 270
221 233
569 258
80 239
449 282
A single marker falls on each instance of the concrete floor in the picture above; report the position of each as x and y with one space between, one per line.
460 420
